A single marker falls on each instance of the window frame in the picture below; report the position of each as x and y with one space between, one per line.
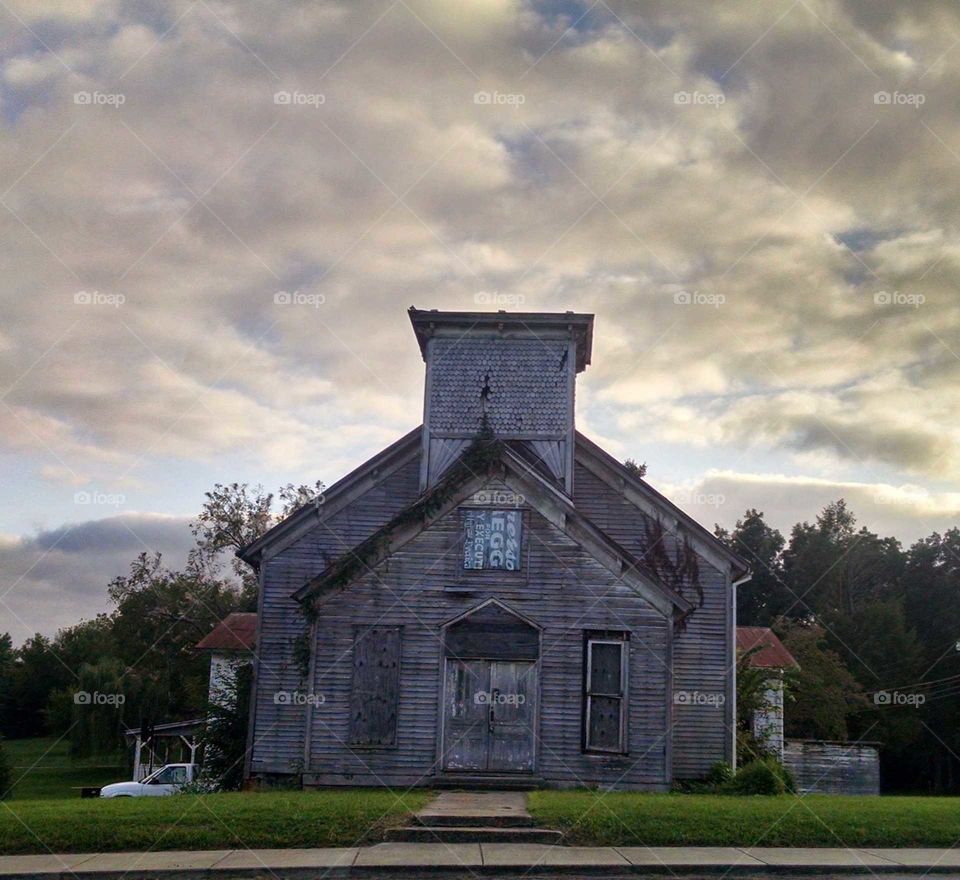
621 640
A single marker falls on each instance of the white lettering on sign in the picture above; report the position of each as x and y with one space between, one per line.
492 539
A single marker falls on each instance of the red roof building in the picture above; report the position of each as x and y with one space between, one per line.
772 655
236 632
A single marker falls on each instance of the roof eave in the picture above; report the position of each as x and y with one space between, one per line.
578 325
553 504
396 452
739 566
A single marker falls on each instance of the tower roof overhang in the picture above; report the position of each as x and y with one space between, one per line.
428 323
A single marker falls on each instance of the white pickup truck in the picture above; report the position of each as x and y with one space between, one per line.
169 779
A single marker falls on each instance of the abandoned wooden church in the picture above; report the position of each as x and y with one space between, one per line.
493 598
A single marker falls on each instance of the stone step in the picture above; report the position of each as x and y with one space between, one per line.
487 783
489 820
448 834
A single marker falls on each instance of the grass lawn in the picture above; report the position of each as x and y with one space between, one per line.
213 821
42 768
627 818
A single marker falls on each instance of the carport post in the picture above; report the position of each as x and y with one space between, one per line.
136 760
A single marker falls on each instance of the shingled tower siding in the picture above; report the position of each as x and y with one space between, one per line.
518 382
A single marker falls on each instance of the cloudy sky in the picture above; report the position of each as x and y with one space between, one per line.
214 216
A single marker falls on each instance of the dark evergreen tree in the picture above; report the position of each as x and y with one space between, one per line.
6 772
765 596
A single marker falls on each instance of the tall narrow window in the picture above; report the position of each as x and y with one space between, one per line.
605 692
374 698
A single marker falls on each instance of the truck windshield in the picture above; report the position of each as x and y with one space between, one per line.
170 775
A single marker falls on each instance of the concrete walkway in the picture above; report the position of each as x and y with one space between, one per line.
489 859
483 807
474 817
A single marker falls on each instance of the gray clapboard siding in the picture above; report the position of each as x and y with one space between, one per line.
573 594
278 743
833 768
699 731
702 650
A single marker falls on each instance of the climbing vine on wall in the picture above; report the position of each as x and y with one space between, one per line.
477 459
679 570
301 654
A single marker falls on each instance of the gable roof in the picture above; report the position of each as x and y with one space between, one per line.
772 655
337 496
642 495
236 632
483 459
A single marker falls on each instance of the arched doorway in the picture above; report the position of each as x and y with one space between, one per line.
491 691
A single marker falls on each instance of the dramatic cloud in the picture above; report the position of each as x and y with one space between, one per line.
908 511
52 579
214 214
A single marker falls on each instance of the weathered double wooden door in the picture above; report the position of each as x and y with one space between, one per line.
490 711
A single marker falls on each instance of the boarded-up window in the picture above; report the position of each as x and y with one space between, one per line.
605 692
492 539
374 698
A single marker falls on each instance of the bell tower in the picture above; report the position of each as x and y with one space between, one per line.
514 372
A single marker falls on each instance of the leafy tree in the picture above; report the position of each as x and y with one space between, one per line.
639 471
751 686
7 662
231 517
37 671
236 515
832 569
6 772
761 599
932 609
42 667
160 615
224 739
97 724
826 695
145 646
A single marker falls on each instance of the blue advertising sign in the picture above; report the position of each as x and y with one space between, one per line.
492 539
